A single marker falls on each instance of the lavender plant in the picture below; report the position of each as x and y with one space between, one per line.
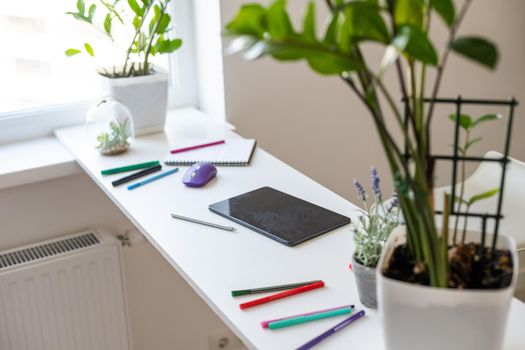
375 224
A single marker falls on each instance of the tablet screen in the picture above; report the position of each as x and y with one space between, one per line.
280 216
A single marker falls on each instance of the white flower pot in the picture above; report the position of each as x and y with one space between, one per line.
422 317
145 96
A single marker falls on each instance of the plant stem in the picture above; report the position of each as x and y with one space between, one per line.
146 10
462 186
148 49
464 233
441 66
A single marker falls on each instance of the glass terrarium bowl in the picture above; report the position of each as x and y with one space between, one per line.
109 126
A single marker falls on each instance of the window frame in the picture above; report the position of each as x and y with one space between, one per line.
24 124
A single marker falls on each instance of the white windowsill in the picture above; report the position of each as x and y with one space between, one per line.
46 158
33 161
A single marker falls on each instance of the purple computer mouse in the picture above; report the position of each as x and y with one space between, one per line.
199 174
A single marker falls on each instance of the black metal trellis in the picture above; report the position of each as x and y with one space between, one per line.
456 159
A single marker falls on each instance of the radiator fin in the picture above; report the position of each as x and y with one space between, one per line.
43 251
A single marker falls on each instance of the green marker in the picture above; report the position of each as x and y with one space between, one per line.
308 318
130 167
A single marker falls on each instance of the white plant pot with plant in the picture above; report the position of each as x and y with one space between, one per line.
146 97
371 231
421 317
144 30
402 28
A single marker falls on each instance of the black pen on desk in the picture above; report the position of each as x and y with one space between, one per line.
136 175
185 218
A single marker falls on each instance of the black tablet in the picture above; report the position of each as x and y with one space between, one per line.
284 218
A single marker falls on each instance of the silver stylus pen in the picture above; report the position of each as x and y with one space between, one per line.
227 228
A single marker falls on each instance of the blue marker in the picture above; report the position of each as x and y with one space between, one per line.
153 178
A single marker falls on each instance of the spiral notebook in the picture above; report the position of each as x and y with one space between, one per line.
234 152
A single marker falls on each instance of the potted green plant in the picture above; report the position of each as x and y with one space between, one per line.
144 27
402 28
376 222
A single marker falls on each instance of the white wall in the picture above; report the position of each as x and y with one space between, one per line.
315 123
165 313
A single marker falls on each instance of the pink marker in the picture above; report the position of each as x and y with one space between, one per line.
185 149
264 324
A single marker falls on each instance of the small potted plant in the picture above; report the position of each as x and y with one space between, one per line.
144 27
374 225
109 127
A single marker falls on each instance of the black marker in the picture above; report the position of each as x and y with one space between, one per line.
136 175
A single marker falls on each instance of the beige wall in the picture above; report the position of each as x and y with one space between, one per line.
165 312
315 123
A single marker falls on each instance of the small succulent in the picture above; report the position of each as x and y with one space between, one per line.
375 223
115 141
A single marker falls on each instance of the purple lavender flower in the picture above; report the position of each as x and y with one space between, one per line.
360 190
393 203
375 183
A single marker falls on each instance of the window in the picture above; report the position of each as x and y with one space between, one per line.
39 81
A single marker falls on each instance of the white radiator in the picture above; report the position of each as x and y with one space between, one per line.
64 294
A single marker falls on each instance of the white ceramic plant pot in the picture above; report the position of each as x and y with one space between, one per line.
421 317
145 96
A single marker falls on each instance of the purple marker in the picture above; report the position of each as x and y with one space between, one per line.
264 324
331 331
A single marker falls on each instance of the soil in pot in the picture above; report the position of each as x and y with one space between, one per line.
467 269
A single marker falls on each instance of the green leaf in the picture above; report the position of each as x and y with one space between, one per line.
136 22
416 44
483 195
279 24
409 12
330 36
472 142
321 58
81 7
465 121
163 24
363 21
477 49
107 23
167 46
89 49
71 52
153 21
329 64
135 7
445 8
91 12
112 10
250 20
309 23
486 118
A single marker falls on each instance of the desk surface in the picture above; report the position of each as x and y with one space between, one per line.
214 262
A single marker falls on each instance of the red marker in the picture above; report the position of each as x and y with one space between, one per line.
281 295
196 147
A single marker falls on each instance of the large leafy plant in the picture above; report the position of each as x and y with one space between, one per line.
402 28
146 22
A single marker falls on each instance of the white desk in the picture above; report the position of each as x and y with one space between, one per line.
214 262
